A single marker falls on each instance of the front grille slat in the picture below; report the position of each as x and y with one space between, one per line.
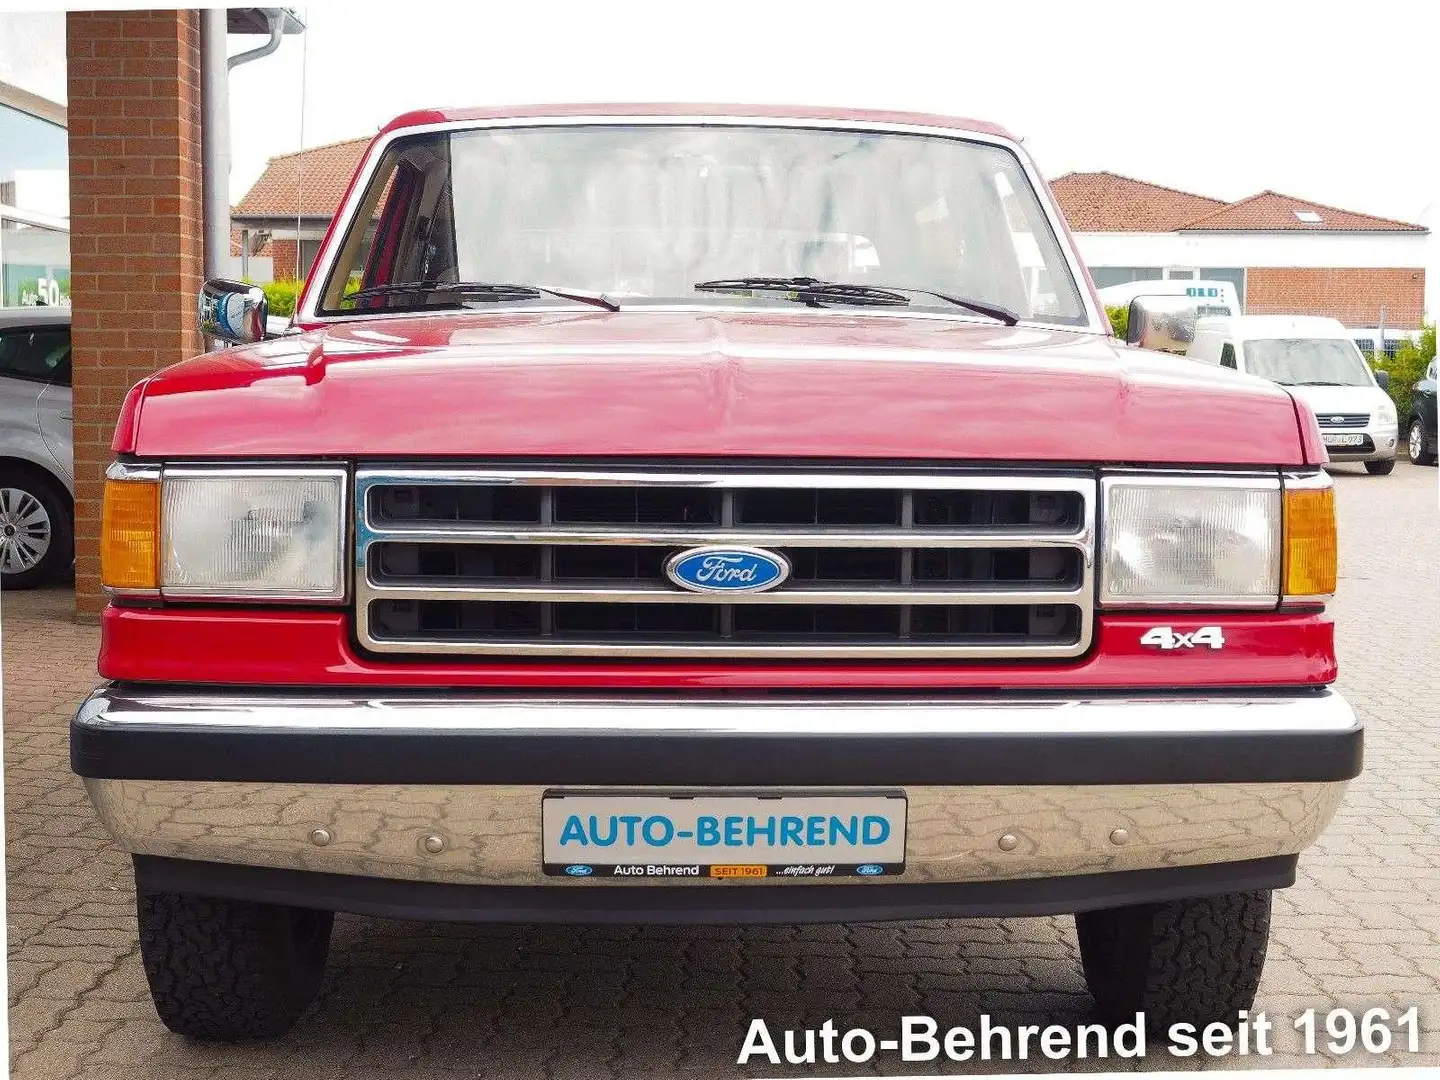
571 563
1340 421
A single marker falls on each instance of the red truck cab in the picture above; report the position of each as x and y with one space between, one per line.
708 514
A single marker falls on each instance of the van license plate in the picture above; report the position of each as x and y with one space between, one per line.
674 838
1343 440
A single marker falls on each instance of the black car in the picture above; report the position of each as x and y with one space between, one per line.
1422 441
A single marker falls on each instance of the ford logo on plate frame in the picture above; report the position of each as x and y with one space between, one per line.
579 870
719 569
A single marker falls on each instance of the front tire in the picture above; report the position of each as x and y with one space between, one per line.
1416 445
1193 961
1380 468
224 970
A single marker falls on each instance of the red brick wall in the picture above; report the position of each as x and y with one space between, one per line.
1353 296
135 230
283 252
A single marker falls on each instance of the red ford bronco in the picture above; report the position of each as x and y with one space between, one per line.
707 515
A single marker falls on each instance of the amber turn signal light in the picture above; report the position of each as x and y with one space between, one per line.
130 535
1310 545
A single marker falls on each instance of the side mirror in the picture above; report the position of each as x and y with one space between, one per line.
1383 378
1163 323
233 311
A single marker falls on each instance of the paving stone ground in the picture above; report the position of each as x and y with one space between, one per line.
1360 929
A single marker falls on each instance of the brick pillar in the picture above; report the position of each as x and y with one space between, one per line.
135 230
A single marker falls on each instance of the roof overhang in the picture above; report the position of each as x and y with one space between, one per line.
272 224
255 20
34 104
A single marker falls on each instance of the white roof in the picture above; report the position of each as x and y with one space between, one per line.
1248 327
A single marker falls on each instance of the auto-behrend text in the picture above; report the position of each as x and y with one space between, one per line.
921 1038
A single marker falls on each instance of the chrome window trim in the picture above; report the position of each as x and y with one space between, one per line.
1096 322
245 472
1080 538
1242 481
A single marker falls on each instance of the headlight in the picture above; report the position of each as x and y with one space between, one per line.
1386 411
1207 540
252 534
231 533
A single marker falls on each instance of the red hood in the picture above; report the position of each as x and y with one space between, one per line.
656 384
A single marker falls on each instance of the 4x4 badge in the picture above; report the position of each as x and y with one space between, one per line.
1168 638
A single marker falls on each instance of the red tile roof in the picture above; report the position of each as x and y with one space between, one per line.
1270 211
1108 202
313 180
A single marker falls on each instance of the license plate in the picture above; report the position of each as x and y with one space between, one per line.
674 838
1343 440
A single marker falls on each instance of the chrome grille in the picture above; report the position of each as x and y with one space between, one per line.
1335 421
570 562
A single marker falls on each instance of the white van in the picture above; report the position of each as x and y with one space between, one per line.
1318 362
1209 297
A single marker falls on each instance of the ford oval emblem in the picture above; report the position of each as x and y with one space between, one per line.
579 870
870 869
727 569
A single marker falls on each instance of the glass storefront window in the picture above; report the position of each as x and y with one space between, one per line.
34 265
34 164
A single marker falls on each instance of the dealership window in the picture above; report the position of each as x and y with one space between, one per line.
1233 274
34 164
1105 276
34 264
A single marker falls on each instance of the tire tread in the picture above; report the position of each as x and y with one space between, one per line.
225 970
1196 961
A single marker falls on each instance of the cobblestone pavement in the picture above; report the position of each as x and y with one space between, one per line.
1361 928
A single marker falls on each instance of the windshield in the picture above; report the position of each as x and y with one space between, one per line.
1307 362
644 213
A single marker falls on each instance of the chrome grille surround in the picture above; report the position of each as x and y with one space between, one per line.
1073 541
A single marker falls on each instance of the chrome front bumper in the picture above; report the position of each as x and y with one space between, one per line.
447 789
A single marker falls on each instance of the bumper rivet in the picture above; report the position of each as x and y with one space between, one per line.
320 837
1120 836
433 844
1009 842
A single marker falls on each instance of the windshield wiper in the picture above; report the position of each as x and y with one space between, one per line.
1318 382
816 292
484 291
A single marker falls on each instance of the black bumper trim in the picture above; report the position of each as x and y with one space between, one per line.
701 760
708 904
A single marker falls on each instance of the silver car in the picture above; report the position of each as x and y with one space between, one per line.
37 471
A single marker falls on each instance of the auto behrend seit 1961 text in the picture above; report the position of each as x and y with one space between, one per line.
921 1038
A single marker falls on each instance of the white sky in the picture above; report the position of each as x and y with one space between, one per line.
1333 102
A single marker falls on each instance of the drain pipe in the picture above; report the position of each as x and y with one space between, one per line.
215 140
215 124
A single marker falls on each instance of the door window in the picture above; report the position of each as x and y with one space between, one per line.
38 355
1227 356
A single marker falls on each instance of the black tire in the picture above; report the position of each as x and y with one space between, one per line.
1417 446
1380 468
1193 961
225 970
29 482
